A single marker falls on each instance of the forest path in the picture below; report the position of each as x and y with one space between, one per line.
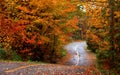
79 54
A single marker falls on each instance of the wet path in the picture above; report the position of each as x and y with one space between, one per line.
79 54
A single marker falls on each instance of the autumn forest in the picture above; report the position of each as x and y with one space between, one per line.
37 30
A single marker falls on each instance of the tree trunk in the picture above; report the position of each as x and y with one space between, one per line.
111 32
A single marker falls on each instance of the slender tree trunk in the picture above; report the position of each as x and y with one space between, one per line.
111 33
111 4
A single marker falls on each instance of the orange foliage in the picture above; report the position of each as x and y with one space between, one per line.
38 26
73 23
25 51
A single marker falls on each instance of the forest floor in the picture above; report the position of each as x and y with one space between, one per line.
29 68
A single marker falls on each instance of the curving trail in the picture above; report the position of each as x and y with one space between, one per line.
79 54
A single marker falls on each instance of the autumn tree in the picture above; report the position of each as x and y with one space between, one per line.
102 35
40 27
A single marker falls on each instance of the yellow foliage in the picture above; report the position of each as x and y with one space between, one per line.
117 14
101 0
107 12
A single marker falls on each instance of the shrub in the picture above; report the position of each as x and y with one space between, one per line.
5 55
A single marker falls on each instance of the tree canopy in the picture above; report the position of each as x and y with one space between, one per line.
37 29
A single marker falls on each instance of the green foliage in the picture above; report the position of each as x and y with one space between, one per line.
2 54
8 55
64 52
106 58
16 57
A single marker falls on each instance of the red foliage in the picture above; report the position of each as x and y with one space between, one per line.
25 51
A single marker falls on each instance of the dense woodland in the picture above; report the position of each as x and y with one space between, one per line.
37 30
103 34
